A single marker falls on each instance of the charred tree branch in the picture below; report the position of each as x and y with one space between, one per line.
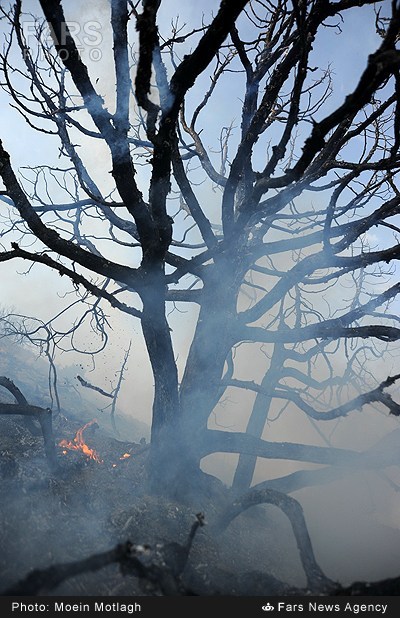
161 567
75 277
316 579
43 415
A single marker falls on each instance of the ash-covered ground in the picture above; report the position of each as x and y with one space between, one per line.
89 506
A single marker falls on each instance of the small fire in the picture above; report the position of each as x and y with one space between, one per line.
123 457
79 444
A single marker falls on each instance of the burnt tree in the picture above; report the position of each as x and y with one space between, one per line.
263 229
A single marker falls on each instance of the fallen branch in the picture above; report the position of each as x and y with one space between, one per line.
162 567
156 568
43 415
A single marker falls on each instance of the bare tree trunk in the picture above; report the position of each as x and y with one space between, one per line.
166 409
201 388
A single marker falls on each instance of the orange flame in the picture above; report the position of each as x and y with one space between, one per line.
123 457
79 444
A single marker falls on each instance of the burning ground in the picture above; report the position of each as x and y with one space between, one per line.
94 505
96 500
47 517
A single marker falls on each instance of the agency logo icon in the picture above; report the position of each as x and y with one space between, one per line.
268 608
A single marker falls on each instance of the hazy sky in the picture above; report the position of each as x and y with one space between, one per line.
41 292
